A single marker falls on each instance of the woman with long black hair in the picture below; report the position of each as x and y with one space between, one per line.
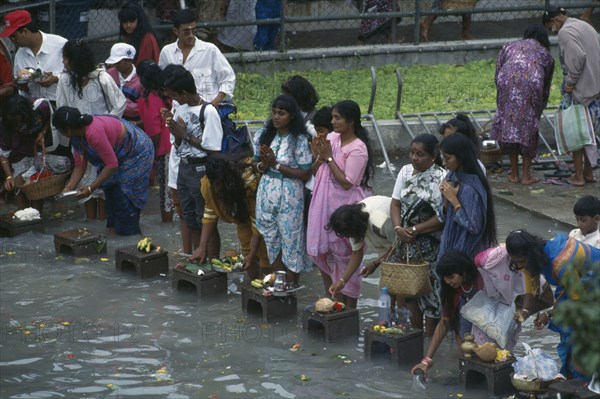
135 29
344 166
283 156
470 221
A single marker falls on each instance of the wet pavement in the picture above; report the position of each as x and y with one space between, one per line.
551 197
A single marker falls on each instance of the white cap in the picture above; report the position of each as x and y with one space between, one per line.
119 52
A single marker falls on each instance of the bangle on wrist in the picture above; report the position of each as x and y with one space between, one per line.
414 229
89 189
9 177
397 227
258 167
343 282
526 311
457 207
427 361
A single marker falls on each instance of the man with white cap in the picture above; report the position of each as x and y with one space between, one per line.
122 70
37 50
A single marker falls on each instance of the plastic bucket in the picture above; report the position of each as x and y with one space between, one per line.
71 18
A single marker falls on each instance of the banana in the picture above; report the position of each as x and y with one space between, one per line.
256 284
145 244
217 262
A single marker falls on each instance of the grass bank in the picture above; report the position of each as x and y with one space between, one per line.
427 88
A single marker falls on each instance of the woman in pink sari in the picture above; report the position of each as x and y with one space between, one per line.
343 167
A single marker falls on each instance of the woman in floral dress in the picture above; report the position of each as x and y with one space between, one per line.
283 156
524 72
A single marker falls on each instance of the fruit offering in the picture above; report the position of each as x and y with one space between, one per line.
145 245
502 355
257 283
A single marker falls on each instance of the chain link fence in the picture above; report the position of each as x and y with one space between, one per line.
248 25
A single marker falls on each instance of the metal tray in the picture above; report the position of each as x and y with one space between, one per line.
68 195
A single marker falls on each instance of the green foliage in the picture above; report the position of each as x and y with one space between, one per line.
426 88
583 316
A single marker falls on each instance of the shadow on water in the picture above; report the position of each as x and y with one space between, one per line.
74 327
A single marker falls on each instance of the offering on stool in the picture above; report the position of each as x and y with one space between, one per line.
270 307
205 285
79 242
496 374
11 226
333 326
403 346
145 264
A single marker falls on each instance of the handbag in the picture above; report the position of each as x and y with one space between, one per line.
573 128
409 279
492 317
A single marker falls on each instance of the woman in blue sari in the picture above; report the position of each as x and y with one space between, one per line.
123 155
556 259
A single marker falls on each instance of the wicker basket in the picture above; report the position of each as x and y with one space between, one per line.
43 188
490 156
458 4
408 280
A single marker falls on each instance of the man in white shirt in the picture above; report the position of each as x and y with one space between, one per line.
37 50
214 77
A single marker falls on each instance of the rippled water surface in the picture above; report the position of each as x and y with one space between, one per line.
75 328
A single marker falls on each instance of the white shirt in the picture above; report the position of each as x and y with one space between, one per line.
123 80
100 96
48 59
209 67
210 138
592 239
378 208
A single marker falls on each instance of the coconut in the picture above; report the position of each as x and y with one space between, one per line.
486 352
324 305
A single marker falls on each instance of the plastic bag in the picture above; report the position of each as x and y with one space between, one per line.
494 318
536 364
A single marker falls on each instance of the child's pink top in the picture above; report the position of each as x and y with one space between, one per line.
102 135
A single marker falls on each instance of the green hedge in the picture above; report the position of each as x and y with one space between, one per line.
427 88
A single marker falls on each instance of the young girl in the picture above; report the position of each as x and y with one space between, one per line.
150 103
135 29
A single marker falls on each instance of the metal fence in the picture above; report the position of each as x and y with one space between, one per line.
289 24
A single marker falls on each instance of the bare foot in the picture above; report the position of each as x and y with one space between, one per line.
513 179
574 182
529 180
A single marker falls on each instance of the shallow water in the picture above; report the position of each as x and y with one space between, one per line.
75 328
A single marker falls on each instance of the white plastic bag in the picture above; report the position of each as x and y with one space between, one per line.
535 365
492 317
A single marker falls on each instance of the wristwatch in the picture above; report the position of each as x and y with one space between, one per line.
328 160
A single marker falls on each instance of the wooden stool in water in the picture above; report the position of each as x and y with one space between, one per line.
333 326
270 307
497 375
404 348
146 264
79 242
11 227
572 389
209 284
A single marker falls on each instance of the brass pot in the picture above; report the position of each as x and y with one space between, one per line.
468 345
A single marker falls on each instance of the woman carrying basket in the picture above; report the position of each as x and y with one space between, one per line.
123 155
27 130
416 213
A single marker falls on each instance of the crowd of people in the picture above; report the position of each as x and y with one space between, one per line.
300 194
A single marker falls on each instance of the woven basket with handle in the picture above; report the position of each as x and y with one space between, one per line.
409 279
42 188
